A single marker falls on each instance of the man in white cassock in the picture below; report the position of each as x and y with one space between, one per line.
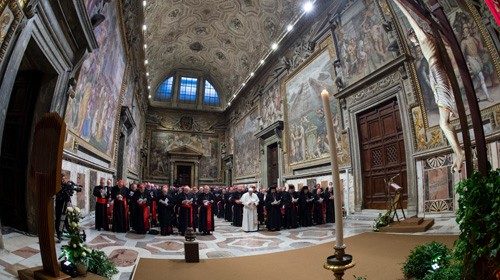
250 202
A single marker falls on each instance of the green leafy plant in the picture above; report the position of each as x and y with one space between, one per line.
452 272
101 265
478 216
382 221
359 277
425 259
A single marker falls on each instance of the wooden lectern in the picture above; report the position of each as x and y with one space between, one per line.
45 172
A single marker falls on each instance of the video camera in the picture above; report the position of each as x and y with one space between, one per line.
68 189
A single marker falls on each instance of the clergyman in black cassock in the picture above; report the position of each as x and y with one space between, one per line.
305 207
273 208
290 201
228 205
142 200
186 213
330 212
319 207
102 195
120 208
166 202
237 208
206 218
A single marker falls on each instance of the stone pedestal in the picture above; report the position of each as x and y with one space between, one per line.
191 251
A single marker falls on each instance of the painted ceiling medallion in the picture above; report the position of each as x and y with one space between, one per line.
196 46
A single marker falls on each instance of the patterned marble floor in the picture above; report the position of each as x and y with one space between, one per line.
125 249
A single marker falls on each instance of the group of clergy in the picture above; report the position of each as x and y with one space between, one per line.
141 207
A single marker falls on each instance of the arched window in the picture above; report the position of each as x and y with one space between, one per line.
165 90
211 96
187 89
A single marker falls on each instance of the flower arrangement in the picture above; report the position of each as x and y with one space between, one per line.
76 251
81 256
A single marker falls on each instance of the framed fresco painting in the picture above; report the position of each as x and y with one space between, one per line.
305 126
246 146
10 16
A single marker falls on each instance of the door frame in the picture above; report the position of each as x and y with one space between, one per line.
194 170
398 92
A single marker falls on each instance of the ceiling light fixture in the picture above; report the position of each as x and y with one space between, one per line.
274 46
228 103
243 84
144 3
146 61
308 6
149 96
234 95
145 46
251 74
147 74
289 27
149 87
262 61
144 27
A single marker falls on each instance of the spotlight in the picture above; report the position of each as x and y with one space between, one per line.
243 84
147 74
262 61
228 103
145 46
308 6
144 27
289 28
234 95
251 74
146 61
144 3
274 46
149 87
149 96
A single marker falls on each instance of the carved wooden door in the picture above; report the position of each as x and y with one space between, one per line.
272 165
382 153
16 147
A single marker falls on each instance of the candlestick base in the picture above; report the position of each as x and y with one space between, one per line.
339 263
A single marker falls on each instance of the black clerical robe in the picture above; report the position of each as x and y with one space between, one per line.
273 209
142 201
305 209
206 213
120 209
228 207
186 212
330 212
102 195
319 209
166 212
291 209
237 209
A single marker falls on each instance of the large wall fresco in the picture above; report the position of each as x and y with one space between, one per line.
135 141
161 142
479 60
272 106
362 41
305 123
92 113
246 145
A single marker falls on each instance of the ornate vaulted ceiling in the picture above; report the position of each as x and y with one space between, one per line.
226 39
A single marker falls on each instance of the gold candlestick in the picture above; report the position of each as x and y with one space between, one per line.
339 262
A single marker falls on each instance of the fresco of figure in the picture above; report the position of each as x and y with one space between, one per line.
440 84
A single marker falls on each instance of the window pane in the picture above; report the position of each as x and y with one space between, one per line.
164 92
211 96
187 90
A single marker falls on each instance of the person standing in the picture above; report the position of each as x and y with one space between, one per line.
290 202
305 207
237 207
120 207
101 206
166 211
330 214
186 214
260 208
142 201
250 202
132 204
206 218
319 207
273 208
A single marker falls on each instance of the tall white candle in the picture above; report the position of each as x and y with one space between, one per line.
339 223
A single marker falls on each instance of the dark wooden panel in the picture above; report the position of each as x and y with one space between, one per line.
382 152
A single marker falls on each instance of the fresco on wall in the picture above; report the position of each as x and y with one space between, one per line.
362 41
164 141
479 62
272 107
305 123
92 113
6 19
246 146
135 141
